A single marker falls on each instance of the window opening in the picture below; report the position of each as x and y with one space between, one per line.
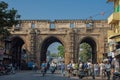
72 25
52 26
32 25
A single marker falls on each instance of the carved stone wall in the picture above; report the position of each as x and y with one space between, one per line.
70 33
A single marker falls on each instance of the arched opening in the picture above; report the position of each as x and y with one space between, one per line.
45 50
17 52
90 42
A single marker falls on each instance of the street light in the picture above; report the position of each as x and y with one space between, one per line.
80 50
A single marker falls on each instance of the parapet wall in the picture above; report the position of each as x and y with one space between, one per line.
57 24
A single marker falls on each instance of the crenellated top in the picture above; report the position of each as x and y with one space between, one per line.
33 21
78 21
59 24
68 21
62 21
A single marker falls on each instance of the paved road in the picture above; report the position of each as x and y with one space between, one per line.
30 75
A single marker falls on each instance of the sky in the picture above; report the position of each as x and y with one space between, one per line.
61 9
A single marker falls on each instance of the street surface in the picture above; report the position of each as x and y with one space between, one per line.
31 75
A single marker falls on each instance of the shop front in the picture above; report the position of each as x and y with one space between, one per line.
117 56
4 58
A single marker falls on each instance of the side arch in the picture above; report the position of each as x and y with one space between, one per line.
16 51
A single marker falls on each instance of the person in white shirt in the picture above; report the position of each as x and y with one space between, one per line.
89 68
102 69
53 67
69 69
115 63
80 66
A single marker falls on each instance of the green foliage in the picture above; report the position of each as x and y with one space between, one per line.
7 19
53 55
85 53
61 51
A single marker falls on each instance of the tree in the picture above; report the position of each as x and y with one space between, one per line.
7 19
85 53
61 51
53 55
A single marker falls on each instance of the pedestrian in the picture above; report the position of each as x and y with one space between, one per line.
93 72
53 67
48 65
102 69
12 69
80 66
35 67
115 65
96 69
108 69
43 67
62 68
69 69
89 68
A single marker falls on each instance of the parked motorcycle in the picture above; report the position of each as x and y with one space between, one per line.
6 69
9 69
2 70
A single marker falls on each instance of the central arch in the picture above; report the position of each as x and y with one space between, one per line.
45 44
91 41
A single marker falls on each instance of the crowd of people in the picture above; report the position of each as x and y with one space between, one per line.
105 68
102 69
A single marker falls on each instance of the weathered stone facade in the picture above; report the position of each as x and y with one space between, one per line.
39 34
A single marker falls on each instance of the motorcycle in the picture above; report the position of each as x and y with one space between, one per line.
81 74
9 69
52 69
2 70
116 76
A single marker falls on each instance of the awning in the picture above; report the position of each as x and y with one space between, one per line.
115 36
